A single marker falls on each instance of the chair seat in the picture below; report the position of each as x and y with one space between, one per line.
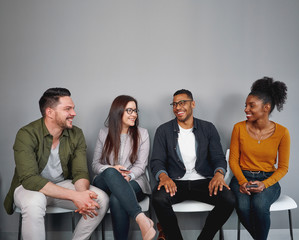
284 202
51 210
192 206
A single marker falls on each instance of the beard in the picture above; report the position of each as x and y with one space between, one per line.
64 123
184 119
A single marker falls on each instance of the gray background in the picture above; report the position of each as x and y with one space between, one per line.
147 49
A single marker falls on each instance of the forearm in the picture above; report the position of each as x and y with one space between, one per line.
55 191
82 185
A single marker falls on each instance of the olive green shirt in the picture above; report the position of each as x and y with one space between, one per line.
32 148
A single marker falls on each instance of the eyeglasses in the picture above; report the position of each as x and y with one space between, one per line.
180 103
131 110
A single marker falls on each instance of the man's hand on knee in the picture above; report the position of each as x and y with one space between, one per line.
85 203
217 183
167 183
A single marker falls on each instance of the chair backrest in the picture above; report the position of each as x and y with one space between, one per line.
229 174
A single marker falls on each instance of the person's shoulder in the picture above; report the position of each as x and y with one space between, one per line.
142 131
33 127
167 125
281 128
33 124
203 123
103 131
240 124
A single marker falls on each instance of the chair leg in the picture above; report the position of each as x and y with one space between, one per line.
290 223
103 228
20 228
73 221
239 229
221 234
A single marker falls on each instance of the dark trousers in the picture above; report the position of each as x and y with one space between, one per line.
224 203
124 198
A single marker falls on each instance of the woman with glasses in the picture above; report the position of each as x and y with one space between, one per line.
259 156
119 162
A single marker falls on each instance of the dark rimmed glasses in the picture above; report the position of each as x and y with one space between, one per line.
131 110
180 103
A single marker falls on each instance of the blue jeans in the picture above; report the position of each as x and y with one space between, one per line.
254 210
123 203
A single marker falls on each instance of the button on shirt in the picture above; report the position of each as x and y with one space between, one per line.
186 143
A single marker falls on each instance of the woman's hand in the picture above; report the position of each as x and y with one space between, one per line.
123 171
260 186
247 188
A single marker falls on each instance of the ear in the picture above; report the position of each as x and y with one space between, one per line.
267 107
193 104
49 112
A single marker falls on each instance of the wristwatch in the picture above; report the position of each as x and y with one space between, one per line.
220 171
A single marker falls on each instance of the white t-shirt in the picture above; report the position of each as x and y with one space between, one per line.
188 152
53 170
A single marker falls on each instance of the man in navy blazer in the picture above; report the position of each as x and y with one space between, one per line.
189 164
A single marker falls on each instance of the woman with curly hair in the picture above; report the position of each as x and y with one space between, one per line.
255 144
120 160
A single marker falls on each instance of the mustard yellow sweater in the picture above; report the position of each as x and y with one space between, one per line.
247 154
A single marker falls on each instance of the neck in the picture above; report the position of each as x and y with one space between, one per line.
53 129
124 130
261 124
186 124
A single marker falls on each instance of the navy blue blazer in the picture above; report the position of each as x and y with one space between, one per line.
166 155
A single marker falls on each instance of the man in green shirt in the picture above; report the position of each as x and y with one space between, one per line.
51 169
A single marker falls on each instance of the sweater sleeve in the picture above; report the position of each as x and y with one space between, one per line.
283 160
234 156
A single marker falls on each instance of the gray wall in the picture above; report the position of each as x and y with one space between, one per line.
148 49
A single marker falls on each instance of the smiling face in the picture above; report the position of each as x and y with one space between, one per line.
128 120
255 108
64 113
185 112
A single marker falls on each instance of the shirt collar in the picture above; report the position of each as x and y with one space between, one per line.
176 125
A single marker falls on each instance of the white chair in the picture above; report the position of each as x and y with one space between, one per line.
283 203
49 210
195 206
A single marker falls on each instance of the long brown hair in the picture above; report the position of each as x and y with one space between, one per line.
114 124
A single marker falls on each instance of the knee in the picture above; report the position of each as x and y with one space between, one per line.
260 209
229 199
160 198
34 207
102 199
110 173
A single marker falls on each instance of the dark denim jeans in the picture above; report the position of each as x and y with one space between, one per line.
193 190
254 210
124 198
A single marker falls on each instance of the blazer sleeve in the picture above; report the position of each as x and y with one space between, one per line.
98 167
139 166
